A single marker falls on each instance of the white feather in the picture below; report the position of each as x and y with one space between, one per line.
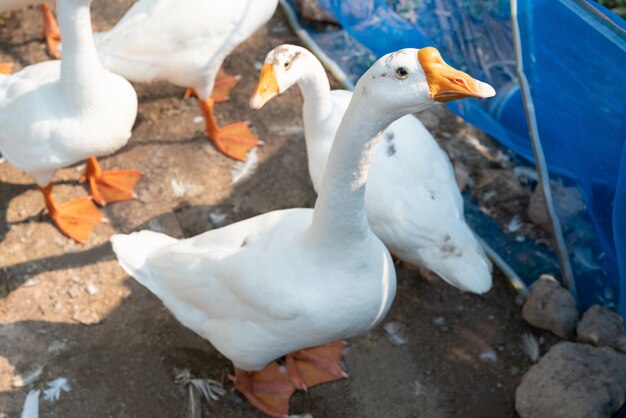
396 333
244 169
530 345
31 405
28 377
55 387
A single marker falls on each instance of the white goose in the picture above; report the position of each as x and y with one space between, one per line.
185 42
57 113
51 28
412 202
290 279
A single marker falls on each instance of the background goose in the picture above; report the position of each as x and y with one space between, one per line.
58 113
51 28
413 203
185 42
286 280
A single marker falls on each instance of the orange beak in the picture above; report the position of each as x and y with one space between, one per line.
266 89
447 83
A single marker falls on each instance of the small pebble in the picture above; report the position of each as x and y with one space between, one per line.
31 283
439 321
489 355
92 289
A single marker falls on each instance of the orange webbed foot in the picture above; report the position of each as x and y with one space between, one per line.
268 390
75 218
235 140
223 86
110 186
314 366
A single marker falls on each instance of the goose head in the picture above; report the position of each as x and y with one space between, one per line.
284 66
411 80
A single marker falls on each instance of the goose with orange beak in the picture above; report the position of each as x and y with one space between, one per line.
412 200
287 285
58 113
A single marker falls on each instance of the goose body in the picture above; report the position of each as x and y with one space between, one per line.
183 42
47 126
286 280
412 200
57 113
254 290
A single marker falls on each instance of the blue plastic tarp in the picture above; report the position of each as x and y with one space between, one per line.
574 54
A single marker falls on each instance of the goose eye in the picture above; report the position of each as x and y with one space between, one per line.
401 73
287 65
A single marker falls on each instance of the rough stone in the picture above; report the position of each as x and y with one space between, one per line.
311 10
601 326
567 203
573 381
551 307
503 188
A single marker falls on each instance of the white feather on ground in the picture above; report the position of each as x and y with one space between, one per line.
210 389
515 224
530 345
55 387
395 333
419 389
28 377
489 355
31 405
244 169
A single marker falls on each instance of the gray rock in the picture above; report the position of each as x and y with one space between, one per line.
573 381
601 326
551 307
503 189
311 10
567 203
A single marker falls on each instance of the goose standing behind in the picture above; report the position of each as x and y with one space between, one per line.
51 28
291 279
57 113
185 42
412 201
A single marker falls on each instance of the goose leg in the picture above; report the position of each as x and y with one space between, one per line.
75 218
110 186
51 31
234 140
268 390
224 84
314 366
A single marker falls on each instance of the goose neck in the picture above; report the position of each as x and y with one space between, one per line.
340 208
79 62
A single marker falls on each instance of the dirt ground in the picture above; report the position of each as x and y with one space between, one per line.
71 308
